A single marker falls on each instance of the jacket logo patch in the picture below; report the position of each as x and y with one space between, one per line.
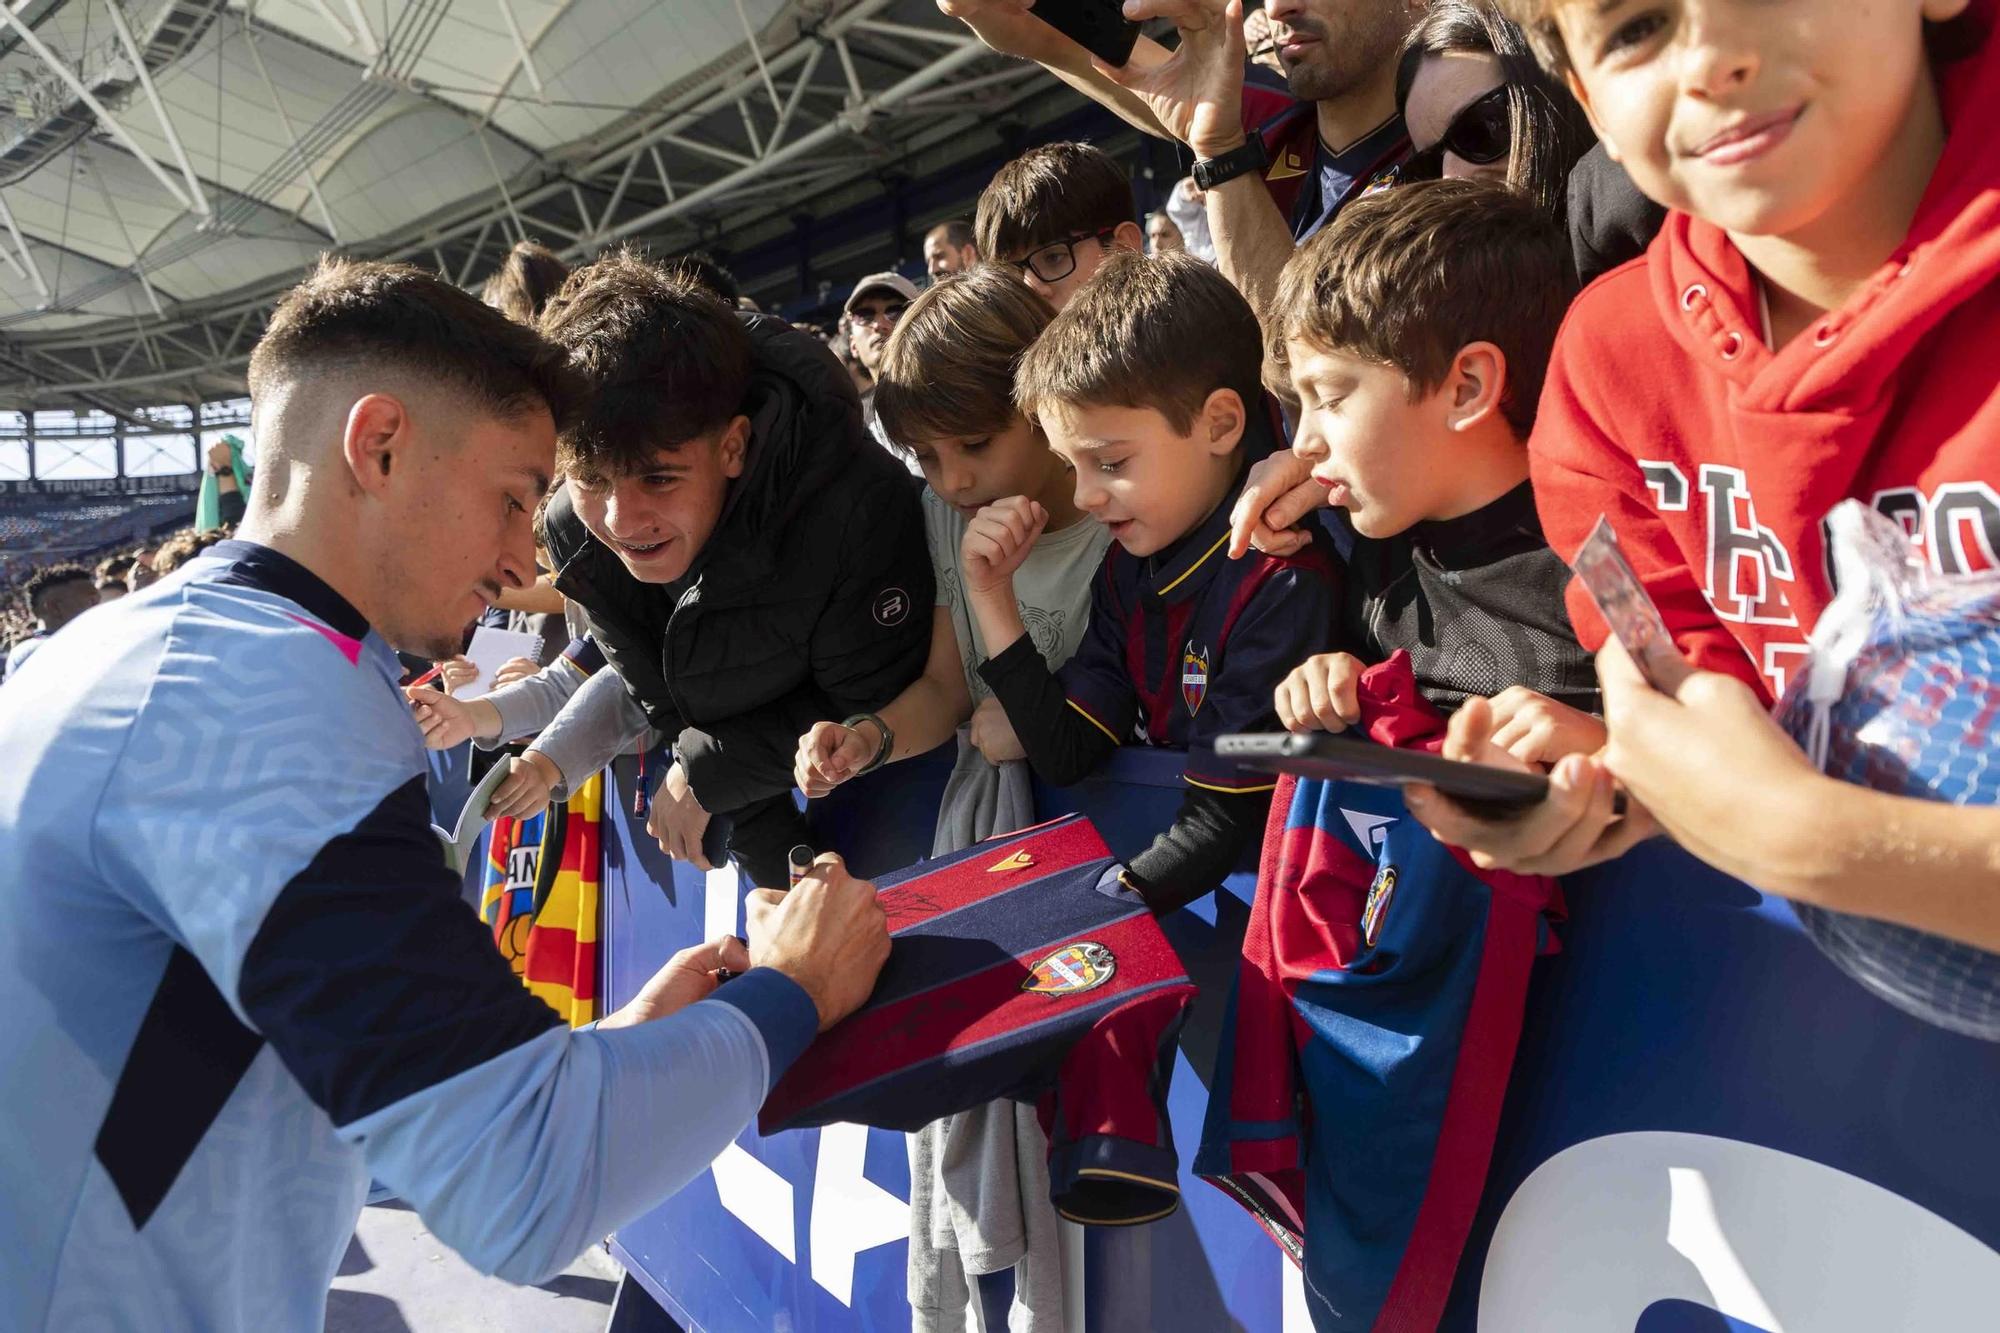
1072 970
1018 861
1194 677
892 607
1379 894
1383 179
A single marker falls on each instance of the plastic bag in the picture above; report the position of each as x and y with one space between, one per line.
1902 694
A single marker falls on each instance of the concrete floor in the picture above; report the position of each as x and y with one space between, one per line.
398 1278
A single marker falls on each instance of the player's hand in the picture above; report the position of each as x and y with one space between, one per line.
457 673
677 819
1531 727
445 721
524 792
997 540
1711 764
688 976
830 754
992 733
829 934
1576 825
1278 494
1196 93
1321 693
513 669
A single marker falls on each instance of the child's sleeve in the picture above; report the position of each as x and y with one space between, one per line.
1287 619
1581 472
528 705
1069 724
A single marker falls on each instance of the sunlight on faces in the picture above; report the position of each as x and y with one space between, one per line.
1445 85
1761 118
1137 475
457 502
1089 252
941 257
1329 48
1382 456
658 520
970 471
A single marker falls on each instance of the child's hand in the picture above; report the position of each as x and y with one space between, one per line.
1320 694
677 819
1278 493
993 735
524 793
829 755
513 669
1531 727
457 673
997 540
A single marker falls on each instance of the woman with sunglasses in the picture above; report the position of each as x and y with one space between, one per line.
1477 104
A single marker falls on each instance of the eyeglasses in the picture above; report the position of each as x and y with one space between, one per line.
1057 260
864 315
1482 132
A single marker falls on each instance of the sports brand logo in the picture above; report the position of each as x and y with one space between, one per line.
1072 970
892 608
1379 894
1194 677
1018 861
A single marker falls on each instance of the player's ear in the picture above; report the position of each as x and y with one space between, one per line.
1221 422
1477 386
375 438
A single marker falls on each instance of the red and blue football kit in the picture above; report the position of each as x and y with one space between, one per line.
1309 182
1183 646
1371 1035
1017 969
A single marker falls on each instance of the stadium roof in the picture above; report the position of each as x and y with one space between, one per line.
167 167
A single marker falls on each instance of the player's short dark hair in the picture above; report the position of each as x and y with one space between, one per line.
526 279
397 318
957 232
706 271
664 360
48 577
1050 194
1161 333
949 367
1409 276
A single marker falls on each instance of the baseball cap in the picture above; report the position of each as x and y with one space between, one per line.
881 282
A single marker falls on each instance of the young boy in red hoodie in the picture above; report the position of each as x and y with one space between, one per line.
1817 320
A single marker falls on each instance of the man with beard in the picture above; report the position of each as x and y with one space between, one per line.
1335 138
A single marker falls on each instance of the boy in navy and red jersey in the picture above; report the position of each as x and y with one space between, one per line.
1815 322
1148 384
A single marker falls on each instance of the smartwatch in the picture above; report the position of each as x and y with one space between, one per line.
1249 156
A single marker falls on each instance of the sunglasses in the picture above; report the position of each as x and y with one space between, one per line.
866 314
1482 132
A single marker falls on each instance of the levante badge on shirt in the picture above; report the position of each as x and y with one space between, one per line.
1072 970
1194 677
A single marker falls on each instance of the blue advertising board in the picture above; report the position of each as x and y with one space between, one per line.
1708 1126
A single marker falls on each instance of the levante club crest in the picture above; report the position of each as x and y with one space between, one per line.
1194 678
1072 970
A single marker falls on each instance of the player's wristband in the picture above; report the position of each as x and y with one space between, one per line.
888 741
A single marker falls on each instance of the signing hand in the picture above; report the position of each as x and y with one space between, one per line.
678 821
996 542
830 754
688 976
445 721
1278 493
993 734
829 934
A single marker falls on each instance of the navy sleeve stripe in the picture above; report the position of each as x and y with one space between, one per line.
188 1056
371 978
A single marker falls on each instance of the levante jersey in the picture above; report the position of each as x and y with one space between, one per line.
1012 973
1187 644
1373 1027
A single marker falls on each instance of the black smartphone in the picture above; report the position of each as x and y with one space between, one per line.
1098 26
1484 790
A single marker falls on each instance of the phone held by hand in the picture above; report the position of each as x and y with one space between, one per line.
1098 26
1484 790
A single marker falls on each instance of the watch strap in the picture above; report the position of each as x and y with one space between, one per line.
1251 155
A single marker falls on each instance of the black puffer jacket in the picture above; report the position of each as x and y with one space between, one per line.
811 600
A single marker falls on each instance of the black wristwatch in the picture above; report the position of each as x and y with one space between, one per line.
1251 155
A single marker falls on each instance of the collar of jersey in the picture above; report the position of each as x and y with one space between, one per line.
254 566
1185 568
1492 531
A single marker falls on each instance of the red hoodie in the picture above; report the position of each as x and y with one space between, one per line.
1716 460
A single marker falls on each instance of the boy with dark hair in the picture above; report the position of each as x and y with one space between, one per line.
54 595
1054 213
221 873
1147 384
1415 331
750 561
1814 323
527 279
